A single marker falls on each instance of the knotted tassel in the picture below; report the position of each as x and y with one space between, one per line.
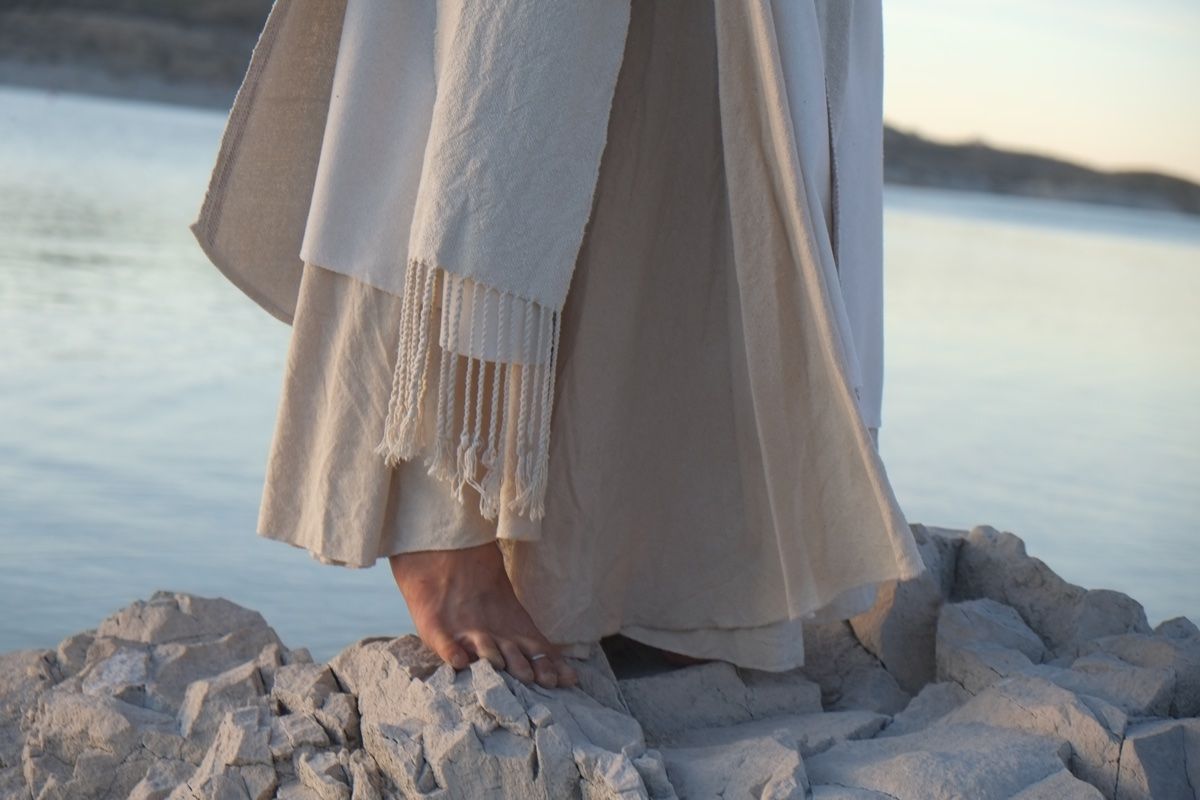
522 423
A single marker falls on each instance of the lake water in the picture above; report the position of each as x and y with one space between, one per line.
1042 377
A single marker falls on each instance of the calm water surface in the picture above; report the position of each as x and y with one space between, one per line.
1042 377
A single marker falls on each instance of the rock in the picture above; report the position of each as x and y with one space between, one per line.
933 701
303 687
90 746
123 675
971 649
312 689
479 733
161 779
323 773
899 628
292 732
24 676
173 617
72 652
194 698
766 765
364 776
773 693
985 620
1059 786
238 763
12 784
713 694
1036 705
1160 760
939 550
178 664
208 699
1177 628
338 715
809 733
834 792
966 760
1176 656
1136 690
850 677
995 565
185 638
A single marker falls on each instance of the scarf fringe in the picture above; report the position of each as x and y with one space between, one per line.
513 449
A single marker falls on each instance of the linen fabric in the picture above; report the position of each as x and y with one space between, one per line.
413 160
713 483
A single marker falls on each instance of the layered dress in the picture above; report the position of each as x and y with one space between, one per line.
713 477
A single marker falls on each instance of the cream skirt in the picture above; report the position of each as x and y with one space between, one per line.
662 513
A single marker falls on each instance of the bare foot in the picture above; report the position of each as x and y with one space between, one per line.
464 608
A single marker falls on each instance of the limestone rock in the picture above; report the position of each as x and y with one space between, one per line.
208 699
1044 690
1177 656
971 649
1138 691
1038 706
303 687
24 676
989 621
323 773
173 617
292 732
1178 628
161 779
932 702
899 628
1160 760
965 760
84 745
123 674
479 733
238 763
178 664
149 653
939 550
1059 786
835 792
809 733
766 765
850 677
713 694
71 653
994 564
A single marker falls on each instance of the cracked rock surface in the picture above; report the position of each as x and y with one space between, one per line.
988 676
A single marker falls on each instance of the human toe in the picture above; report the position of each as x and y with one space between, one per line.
567 677
517 663
482 645
450 651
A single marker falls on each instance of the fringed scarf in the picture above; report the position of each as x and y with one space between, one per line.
518 123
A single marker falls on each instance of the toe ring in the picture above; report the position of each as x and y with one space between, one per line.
536 656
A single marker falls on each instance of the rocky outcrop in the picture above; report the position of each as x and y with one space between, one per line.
1013 683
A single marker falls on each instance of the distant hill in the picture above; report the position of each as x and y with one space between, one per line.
196 52
912 160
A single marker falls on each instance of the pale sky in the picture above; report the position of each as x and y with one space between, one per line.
1113 84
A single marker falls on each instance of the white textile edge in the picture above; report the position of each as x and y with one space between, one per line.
513 451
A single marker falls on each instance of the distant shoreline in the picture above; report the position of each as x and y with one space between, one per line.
78 79
909 159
